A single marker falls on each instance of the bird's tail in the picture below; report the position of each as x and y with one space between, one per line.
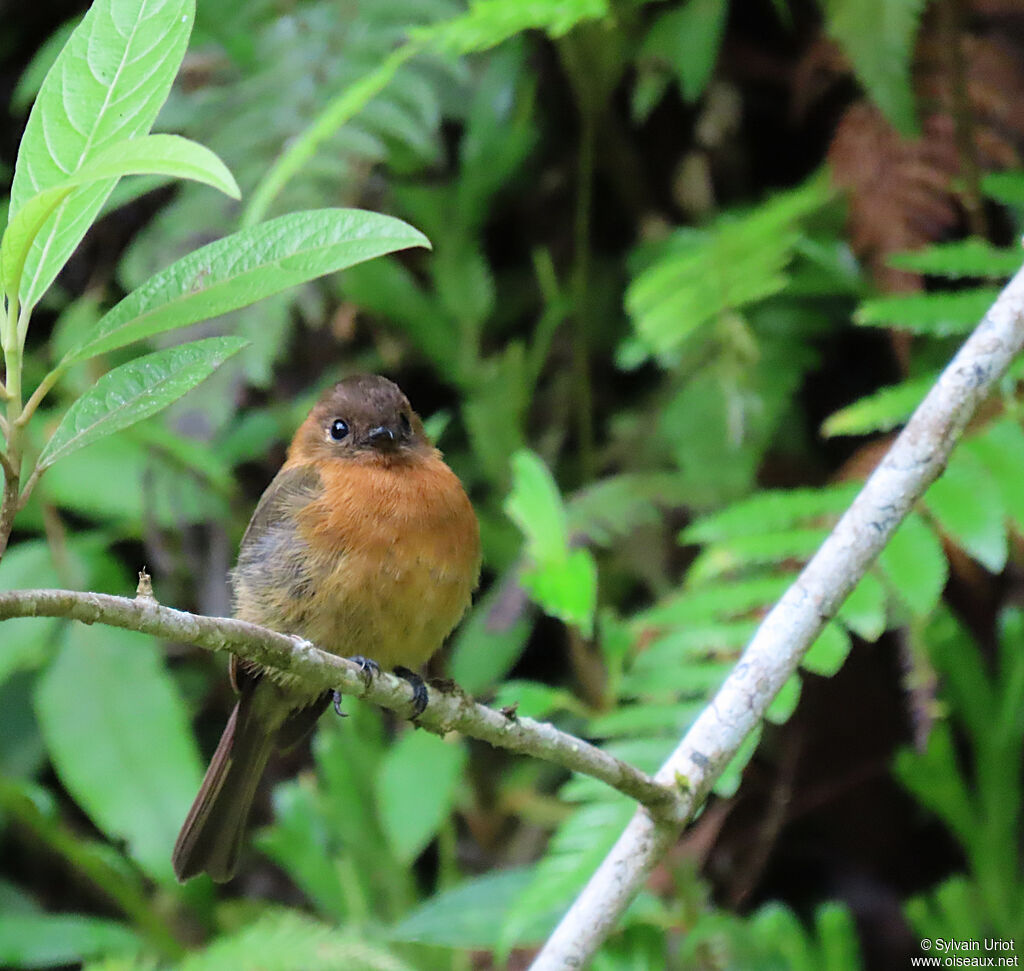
211 838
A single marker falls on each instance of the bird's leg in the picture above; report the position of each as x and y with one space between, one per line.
336 696
419 690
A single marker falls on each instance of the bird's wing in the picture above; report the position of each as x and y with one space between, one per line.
272 567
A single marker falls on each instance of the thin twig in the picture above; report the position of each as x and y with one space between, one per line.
446 711
915 460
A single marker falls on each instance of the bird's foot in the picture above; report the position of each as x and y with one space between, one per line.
419 690
368 668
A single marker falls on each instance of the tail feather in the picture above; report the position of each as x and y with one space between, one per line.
211 838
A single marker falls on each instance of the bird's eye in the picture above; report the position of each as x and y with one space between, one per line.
403 420
339 429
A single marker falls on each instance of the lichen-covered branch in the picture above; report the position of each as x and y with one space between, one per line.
916 459
447 710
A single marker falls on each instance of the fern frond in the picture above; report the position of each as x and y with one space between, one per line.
962 258
881 411
699 275
937 314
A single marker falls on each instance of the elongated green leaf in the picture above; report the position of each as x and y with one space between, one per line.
135 391
416 790
470 914
881 411
687 38
1004 187
49 940
118 736
107 84
938 314
964 257
878 36
245 267
167 155
772 511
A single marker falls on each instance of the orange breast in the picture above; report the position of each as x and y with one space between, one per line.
396 549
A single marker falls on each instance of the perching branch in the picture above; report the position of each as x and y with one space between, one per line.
446 711
916 459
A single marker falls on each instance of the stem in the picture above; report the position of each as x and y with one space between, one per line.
583 392
12 466
447 711
41 392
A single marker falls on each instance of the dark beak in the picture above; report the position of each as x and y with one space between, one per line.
382 437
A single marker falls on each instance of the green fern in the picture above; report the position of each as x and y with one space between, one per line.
698 275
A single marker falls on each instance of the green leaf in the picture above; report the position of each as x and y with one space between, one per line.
118 735
967 505
167 155
26 640
416 790
107 84
574 852
1004 187
566 589
388 289
489 23
837 938
784 703
937 314
562 580
286 940
729 781
881 411
915 566
490 640
245 267
53 940
338 112
535 506
878 36
758 549
135 391
615 507
688 39
1000 450
829 652
863 611
469 915
773 511
963 258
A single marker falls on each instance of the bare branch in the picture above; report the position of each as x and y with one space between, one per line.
916 459
448 710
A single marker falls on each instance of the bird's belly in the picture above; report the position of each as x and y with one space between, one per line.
395 605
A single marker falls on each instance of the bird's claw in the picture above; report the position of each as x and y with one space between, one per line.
336 698
419 690
368 667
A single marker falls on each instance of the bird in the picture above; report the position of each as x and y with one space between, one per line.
366 544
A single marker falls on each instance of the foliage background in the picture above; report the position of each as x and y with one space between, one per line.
660 346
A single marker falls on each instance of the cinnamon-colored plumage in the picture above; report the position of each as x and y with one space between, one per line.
365 544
